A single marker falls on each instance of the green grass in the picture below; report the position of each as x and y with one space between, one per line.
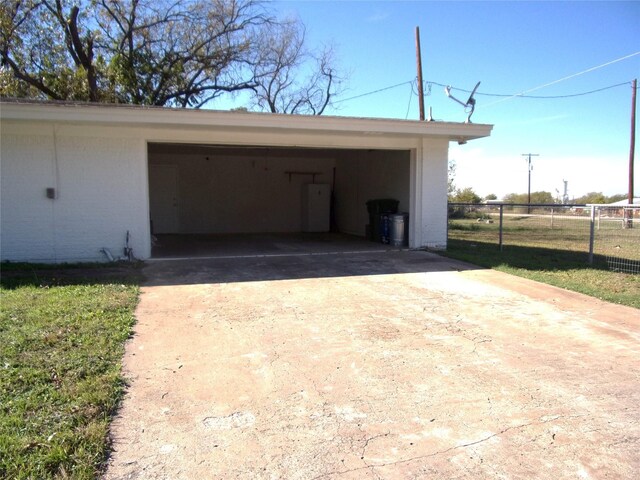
571 234
562 268
62 335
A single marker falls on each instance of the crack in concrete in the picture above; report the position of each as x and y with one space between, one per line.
447 450
363 452
370 439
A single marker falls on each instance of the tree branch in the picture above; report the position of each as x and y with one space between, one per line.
161 52
29 79
85 57
199 90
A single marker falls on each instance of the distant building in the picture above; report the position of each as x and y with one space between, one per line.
636 201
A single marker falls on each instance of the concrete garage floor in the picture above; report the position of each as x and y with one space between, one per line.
272 244
381 365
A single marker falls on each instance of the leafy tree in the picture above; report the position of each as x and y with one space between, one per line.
591 197
536 197
542 197
617 197
466 195
515 198
153 52
491 196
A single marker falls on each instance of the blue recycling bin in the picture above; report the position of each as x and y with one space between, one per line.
379 222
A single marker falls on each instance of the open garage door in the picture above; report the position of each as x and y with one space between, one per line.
217 190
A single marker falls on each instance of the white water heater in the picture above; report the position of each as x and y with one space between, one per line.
316 207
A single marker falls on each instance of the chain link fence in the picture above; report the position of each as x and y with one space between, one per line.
602 233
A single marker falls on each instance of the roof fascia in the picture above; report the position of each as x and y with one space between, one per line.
189 118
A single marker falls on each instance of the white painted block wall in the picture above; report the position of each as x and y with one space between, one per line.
100 181
431 179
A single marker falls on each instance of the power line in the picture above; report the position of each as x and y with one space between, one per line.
566 78
539 97
521 94
486 94
374 91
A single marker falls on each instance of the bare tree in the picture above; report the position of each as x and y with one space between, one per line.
289 77
154 52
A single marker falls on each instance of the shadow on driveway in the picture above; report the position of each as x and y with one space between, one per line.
296 266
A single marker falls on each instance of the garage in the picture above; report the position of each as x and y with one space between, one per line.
80 180
214 192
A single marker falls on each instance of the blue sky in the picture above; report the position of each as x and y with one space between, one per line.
510 47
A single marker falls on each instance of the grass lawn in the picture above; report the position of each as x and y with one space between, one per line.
562 268
559 233
554 250
62 335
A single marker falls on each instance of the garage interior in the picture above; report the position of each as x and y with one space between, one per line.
225 200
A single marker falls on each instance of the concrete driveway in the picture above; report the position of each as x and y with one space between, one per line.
381 365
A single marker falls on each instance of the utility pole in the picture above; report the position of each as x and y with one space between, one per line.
632 147
529 155
419 67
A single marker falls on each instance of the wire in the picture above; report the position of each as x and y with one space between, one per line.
506 95
538 96
509 96
375 91
411 94
565 78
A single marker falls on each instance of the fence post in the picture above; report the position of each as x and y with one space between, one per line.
592 233
500 230
448 220
627 221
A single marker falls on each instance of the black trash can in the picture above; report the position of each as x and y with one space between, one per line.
378 226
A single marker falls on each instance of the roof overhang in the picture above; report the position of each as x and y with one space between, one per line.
140 116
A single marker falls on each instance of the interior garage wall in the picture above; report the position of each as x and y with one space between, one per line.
248 190
100 193
363 175
244 190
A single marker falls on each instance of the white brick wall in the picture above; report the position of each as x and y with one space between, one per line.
432 183
26 228
101 190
